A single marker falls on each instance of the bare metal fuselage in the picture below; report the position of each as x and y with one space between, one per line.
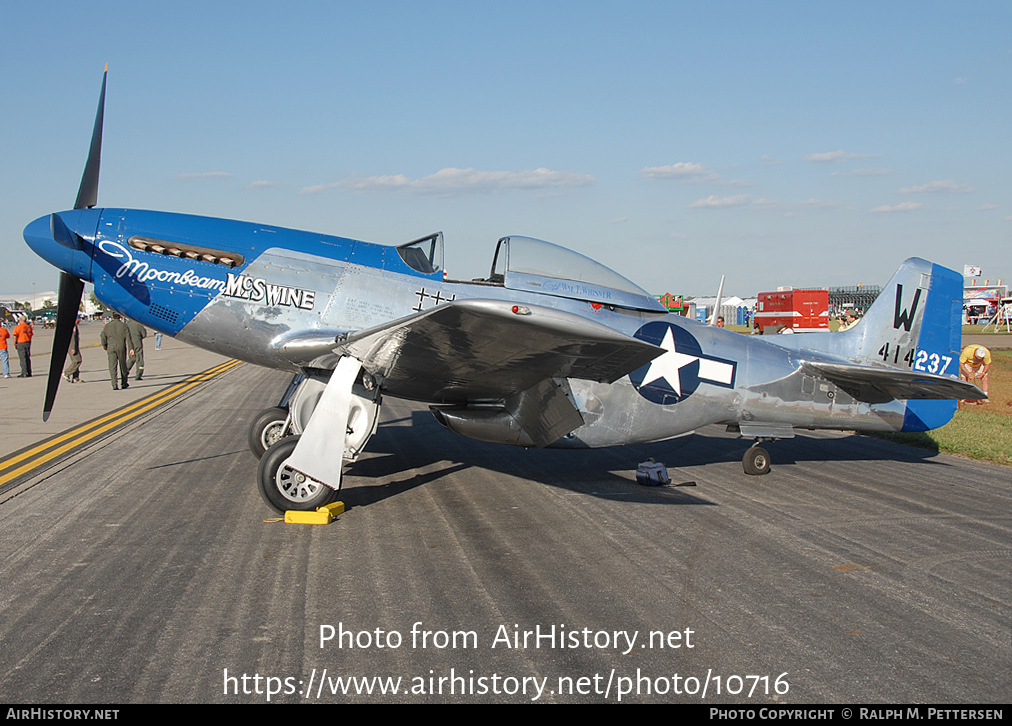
768 385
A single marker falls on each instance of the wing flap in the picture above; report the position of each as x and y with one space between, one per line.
878 385
482 350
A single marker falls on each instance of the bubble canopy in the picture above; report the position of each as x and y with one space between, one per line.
533 265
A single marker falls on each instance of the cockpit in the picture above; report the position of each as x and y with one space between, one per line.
535 266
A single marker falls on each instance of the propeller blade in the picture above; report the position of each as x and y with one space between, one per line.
71 292
72 288
87 195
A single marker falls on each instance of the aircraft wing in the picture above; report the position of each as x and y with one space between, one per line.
476 350
878 385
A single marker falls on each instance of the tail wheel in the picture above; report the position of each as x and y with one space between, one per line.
284 488
266 430
756 461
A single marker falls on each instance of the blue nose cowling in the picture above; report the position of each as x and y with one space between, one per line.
63 239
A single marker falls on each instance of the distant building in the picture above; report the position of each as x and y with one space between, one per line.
980 302
674 303
16 301
858 297
734 310
36 300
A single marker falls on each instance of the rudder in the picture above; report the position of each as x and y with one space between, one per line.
938 347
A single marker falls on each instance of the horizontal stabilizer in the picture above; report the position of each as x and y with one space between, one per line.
491 349
878 385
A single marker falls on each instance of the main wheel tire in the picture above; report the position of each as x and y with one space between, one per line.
756 461
283 488
266 430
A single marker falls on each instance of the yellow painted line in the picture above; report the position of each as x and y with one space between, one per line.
91 429
170 391
87 431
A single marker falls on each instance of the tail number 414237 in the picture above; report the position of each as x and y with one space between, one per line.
919 360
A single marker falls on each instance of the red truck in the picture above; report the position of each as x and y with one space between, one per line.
800 310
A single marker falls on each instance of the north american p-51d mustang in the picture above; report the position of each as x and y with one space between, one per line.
551 349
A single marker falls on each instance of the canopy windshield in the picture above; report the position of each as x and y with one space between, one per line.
424 255
533 265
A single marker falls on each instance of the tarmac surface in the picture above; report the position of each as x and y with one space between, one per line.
996 341
139 567
76 403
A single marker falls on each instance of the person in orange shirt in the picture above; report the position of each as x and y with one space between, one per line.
4 354
23 341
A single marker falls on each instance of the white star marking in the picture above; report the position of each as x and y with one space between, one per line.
668 365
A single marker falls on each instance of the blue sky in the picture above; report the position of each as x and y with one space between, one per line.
806 144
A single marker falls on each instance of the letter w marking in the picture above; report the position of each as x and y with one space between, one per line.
904 317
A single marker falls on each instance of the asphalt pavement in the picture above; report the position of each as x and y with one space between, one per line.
21 424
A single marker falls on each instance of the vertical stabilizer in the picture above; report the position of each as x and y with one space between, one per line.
915 324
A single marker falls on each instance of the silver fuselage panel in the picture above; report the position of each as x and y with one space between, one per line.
284 294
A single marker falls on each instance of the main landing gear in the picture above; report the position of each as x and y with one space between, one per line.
268 429
289 418
283 488
273 424
300 443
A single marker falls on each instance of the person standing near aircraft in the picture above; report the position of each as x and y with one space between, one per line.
4 354
73 370
138 332
720 321
118 343
974 364
23 340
